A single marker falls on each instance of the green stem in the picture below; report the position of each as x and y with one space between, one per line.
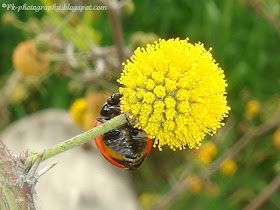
21 25
62 25
81 138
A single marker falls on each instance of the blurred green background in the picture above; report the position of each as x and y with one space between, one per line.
245 45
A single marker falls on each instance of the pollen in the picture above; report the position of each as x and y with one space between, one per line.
175 91
160 91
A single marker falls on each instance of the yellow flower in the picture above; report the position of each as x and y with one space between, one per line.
253 108
78 110
276 138
95 102
209 148
176 92
28 60
205 158
195 184
148 199
229 167
207 152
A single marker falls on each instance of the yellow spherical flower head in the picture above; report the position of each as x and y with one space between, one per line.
195 184
253 108
78 110
205 158
176 92
95 102
210 148
28 60
229 167
208 152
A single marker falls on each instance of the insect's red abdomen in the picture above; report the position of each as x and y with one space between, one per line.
102 148
110 154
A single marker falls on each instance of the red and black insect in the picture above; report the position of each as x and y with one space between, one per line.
125 146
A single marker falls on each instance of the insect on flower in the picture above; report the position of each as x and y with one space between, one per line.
126 146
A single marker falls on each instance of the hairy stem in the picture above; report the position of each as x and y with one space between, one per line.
81 138
14 193
265 195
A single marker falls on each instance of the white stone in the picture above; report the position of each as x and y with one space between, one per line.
82 180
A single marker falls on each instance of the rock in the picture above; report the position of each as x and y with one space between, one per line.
82 180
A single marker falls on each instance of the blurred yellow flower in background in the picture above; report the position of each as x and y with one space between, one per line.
84 111
195 184
78 110
28 60
276 138
176 92
207 152
95 101
205 158
210 148
253 108
146 200
229 167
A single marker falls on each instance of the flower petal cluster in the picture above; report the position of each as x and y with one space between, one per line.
176 92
